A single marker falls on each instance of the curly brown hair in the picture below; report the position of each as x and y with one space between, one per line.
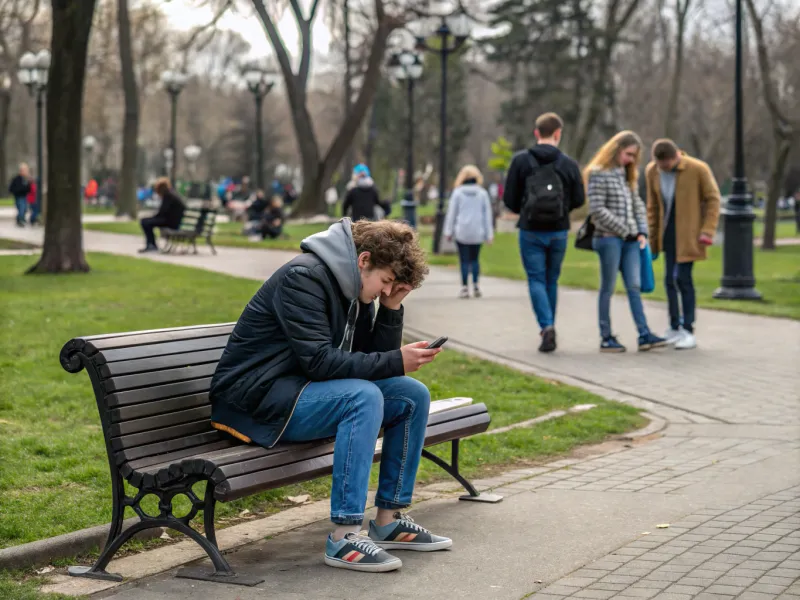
393 245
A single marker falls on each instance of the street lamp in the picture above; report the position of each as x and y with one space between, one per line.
738 281
89 142
260 82
169 157
173 82
452 30
192 153
33 72
407 65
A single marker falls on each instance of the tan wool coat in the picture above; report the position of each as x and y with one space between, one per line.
696 208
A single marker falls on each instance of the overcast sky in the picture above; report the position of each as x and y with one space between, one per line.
183 14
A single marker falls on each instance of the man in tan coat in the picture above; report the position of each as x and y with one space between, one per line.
682 213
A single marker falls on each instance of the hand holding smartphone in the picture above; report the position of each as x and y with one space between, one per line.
438 343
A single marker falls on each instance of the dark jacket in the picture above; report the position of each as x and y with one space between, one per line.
256 210
522 167
362 199
19 187
301 326
171 209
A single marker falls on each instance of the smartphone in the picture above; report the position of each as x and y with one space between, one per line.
438 343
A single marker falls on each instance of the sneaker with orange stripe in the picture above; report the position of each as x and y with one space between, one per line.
405 534
359 553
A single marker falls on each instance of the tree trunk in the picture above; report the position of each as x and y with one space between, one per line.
63 236
681 11
783 148
5 107
126 200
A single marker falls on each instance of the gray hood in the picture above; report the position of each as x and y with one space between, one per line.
336 248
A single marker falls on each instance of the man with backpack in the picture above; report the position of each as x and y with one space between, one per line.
542 186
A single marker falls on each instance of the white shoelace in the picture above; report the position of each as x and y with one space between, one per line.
409 522
364 544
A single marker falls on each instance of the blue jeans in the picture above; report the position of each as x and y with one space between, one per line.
542 255
618 255
354 410
469 259
678 278
21 203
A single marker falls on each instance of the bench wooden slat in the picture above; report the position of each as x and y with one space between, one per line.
153 436
158 392
139 411
165 349
142 365
171 457
152 378
160 421
168 446
157 337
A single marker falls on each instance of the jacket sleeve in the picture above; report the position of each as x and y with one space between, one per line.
387 332
512 195
640 213
598 197
452 211
710 202
300 307
578 193
653 209
487 216
348 200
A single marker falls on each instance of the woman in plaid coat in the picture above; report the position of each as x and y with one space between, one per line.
620 220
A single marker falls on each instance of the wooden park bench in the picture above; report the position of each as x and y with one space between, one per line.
196 223
151 389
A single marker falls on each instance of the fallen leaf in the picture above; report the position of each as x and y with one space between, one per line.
244 513
299 499
4 422
165 536
537 581
645 533
47 569
663 526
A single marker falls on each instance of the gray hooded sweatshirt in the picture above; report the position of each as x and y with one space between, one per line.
469 215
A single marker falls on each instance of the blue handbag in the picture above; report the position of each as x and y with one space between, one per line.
646 264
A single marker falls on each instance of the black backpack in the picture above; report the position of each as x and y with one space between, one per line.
544 202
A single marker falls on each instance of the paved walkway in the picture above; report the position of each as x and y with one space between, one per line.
725 477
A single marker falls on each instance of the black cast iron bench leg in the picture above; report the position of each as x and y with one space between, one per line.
452 469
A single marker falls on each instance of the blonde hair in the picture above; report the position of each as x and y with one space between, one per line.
468 172
606 157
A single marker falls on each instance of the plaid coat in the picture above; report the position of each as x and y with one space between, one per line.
616 209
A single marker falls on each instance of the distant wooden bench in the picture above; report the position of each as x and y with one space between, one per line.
196 223
151 389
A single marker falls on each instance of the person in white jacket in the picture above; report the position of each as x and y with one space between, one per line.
469 222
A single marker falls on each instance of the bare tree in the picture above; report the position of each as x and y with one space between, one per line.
681 8
318 167
126 201
17 19
63 234
784 130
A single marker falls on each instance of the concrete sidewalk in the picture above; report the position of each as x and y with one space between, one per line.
725 476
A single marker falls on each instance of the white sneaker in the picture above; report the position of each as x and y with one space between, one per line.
686 342
464 293
673 335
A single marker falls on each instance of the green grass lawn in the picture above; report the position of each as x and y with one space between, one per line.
783 229
6 244
6 202
53 471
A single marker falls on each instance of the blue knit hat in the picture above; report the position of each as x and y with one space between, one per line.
361 169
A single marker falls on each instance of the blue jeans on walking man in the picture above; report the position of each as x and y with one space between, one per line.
618 255
21 202
542 255
354 410
469 260
678 278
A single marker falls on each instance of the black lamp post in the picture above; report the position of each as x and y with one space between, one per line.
260 82
452 30
738 281
33 72
173 82
407 65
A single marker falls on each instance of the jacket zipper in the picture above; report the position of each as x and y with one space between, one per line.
296 400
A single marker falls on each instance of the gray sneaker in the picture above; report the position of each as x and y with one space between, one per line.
405 534
359 553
